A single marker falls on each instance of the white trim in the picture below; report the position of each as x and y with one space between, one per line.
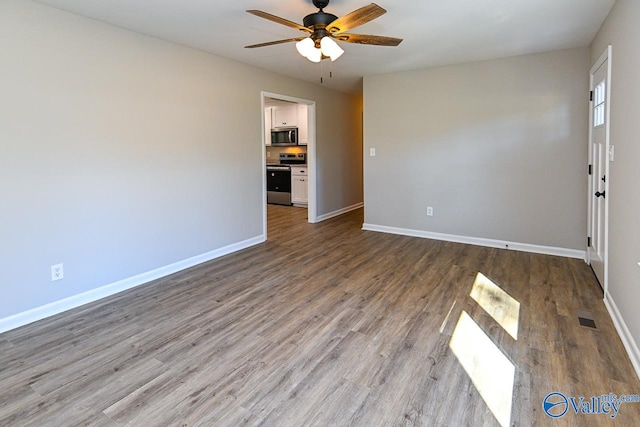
478 241
605 57
312 170
311 155
621 327
56 307
263 148
339 212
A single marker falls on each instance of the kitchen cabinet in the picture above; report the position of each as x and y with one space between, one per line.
285 116
303 129
267 125
289 115
299 185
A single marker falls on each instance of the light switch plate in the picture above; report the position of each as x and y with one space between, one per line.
372 152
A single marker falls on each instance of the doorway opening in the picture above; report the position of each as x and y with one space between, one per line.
600 154
282 112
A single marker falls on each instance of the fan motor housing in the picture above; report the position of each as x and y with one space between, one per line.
318 20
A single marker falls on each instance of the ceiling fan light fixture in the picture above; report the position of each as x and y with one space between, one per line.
304 46
315 55
323 28
330 48
308 49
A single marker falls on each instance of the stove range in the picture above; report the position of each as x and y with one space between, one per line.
279 178
292 159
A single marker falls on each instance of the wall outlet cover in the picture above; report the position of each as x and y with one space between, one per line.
57 272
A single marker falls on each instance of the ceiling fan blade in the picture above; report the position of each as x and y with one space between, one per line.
297 39
279 20
366 39
355 18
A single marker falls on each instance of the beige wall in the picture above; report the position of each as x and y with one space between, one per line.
621 30
497 147
121 153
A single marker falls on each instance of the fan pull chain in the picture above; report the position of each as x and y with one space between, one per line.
322 71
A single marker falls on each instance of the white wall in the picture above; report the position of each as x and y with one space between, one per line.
621 30
498 148
121 153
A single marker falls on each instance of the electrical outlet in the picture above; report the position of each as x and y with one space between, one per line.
57 272
429 211
372 152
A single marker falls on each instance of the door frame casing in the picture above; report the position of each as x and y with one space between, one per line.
311 155
606 56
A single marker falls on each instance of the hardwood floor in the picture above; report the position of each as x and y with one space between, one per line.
326 324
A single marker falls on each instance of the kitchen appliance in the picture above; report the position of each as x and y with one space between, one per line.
279 184
279 178
293 158
284 136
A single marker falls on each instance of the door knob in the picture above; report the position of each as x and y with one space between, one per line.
598 194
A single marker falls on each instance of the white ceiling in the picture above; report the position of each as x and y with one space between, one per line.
435 32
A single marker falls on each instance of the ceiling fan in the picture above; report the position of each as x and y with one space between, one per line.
321 28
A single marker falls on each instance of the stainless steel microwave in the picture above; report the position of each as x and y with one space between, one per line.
284 136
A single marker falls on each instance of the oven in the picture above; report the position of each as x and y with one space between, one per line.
279 184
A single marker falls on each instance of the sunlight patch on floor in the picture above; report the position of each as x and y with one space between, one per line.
491 372
497 303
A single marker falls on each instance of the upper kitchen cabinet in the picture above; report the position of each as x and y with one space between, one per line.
285 116
267 125
303 129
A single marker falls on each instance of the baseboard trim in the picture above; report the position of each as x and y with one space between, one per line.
478 241
339 212
625 335
56 307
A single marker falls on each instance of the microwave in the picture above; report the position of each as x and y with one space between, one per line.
284 136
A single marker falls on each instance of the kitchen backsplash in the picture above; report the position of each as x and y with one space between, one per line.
274 152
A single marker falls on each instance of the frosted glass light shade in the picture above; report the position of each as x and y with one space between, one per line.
307 48
315 55
304 46
330 48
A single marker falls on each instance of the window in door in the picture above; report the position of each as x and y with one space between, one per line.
598 102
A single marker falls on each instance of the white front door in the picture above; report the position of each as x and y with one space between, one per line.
599 157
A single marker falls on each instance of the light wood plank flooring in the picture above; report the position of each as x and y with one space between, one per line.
326 324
